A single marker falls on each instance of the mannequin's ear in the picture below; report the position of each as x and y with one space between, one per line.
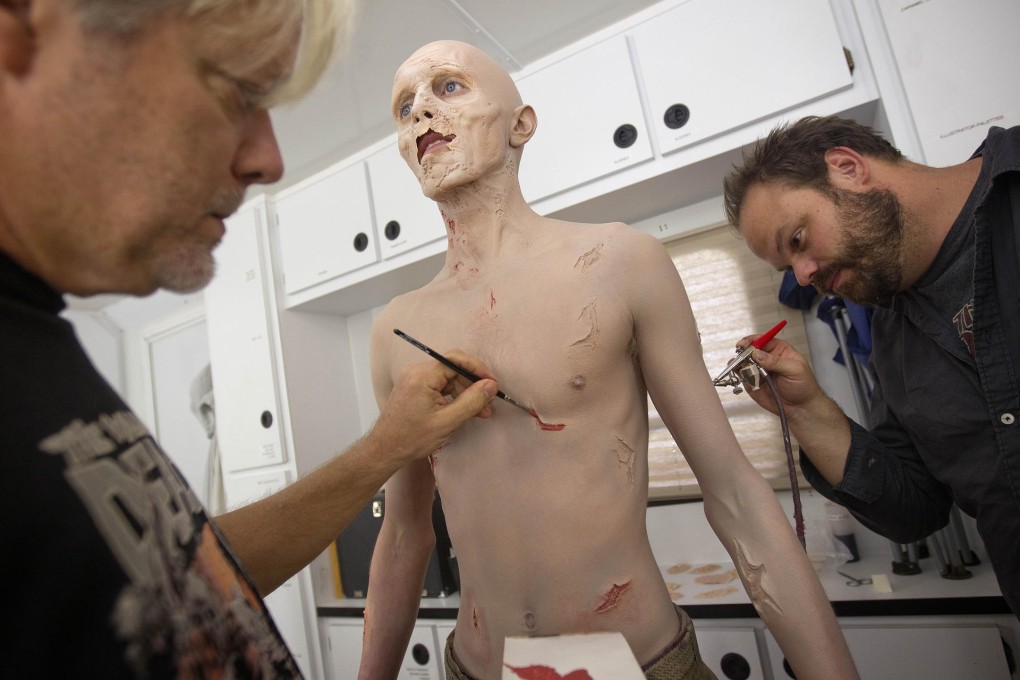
17 37
525 122
847 168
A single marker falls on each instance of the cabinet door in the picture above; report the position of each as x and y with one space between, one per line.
325 228
343 648
421 661
344 640
709 66
939 652
590 120
404 217
241 352
730 652
947 54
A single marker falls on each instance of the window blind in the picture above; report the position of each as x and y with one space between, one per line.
732 294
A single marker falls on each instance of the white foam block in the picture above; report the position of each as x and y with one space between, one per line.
880 583
594 656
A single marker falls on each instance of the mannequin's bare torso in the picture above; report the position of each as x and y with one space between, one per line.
582 323
548 526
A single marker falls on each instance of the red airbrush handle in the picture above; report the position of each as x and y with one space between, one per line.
743 354
764 339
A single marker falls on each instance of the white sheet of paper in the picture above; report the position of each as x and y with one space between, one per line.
594 656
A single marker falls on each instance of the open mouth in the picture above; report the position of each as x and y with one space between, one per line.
432 139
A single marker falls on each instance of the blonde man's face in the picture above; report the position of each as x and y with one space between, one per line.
127 156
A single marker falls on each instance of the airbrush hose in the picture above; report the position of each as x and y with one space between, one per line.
744 369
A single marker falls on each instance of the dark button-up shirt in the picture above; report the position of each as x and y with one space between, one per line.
944 419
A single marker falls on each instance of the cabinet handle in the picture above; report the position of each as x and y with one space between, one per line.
392 230
361 242
676 116
734 666
625 136
420 654
266 419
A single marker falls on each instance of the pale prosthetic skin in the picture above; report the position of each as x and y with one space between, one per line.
576 321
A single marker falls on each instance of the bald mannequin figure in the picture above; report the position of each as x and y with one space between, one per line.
577 321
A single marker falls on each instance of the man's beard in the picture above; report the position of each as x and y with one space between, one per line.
871 224
187 270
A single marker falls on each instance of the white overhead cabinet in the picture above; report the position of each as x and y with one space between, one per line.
590 121
709 67
325 227
241 348
404 217
951 55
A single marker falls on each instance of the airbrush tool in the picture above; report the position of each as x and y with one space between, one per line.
475 378
731 375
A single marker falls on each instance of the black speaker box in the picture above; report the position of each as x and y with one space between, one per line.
354 547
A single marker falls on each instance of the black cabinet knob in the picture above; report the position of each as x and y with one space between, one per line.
676 116
735 667
420 654
266 419
361 242
625 136
392 230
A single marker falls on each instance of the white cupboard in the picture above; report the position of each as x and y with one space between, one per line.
243 332
325 227
423 659
590 120
883 650
709 67
730 652
949 54
241 348
341 640
404 217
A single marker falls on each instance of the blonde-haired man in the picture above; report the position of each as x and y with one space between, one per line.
129 131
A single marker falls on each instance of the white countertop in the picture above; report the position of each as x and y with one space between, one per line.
926 585
687 591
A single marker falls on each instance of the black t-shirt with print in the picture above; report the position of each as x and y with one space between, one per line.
110 565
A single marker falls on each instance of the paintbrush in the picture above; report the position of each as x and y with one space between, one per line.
474 378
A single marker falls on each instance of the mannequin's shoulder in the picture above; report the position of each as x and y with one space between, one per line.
610 236
618 248
622 243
